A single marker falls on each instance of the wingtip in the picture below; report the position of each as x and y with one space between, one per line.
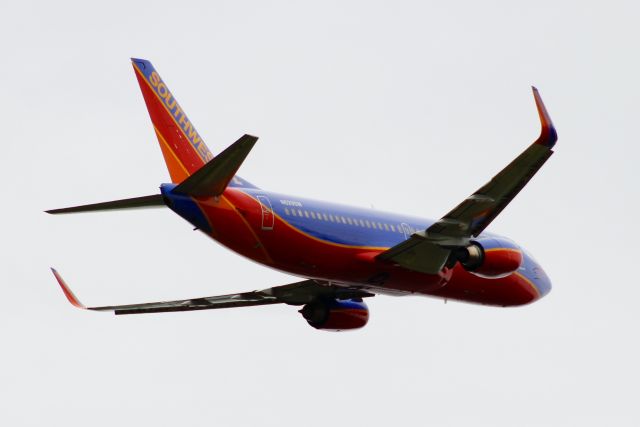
67 292
548 134
140 63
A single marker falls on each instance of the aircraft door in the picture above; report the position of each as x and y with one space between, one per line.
268 219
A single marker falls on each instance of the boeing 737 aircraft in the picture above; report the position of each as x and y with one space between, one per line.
343 254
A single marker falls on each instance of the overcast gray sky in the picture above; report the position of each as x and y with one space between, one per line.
406 106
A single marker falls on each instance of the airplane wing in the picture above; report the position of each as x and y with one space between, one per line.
428 251
293 294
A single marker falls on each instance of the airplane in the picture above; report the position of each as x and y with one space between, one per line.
343 254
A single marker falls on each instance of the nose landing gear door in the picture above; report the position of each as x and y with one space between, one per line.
267 213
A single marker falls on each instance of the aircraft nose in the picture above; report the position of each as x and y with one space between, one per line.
541 280
532 270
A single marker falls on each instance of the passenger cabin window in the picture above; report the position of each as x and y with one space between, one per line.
313 215
286 211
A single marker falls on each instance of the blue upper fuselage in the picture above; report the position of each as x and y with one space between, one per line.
330 222
341 224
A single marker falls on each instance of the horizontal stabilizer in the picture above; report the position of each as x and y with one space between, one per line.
135 203
213 178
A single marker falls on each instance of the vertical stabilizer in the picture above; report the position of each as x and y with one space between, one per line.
183 149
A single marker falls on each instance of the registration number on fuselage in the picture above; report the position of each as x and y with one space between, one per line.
290 203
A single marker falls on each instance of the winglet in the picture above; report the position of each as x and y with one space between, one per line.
67 292
548 135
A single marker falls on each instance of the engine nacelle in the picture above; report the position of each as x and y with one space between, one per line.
491 257
336 315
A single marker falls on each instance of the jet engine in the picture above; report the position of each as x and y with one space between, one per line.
490 257
336 315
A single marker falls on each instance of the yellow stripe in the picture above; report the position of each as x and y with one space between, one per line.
503 249
166 144
171 114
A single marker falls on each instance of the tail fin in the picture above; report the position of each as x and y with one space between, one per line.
183 149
